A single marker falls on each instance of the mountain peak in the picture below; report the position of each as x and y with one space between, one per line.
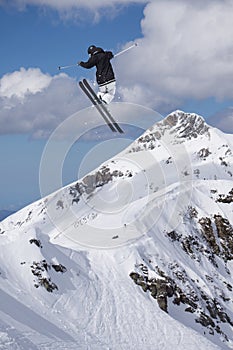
178 127
183 125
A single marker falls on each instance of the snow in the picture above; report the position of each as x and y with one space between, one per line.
118 227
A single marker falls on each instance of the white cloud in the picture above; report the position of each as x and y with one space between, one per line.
73 8
35 103
186 52
22 82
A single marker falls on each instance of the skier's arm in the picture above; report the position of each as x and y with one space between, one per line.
110 54
89 64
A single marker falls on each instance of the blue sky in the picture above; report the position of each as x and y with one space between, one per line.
183 61
41 38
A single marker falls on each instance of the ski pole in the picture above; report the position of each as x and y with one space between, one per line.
117 54
69 66
123 51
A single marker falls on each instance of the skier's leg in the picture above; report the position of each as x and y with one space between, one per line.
111 90
107 92
101 92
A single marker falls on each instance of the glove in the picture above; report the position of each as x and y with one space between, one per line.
79 63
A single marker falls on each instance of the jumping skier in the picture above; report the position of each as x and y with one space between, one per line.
104 72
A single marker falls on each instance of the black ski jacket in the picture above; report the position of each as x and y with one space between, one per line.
104 71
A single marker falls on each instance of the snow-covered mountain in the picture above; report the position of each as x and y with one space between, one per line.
135 255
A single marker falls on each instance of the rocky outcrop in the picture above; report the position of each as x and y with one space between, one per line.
203 153
225 234
165 290
204 237
160 289
186 125
40 271
216 234
93 181
183 126
208 234
35 241
226 198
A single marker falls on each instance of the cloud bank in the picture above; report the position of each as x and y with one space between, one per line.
23 82
186 52
35 103
74 8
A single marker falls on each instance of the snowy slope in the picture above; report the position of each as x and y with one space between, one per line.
135 255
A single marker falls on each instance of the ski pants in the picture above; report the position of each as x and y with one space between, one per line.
107 92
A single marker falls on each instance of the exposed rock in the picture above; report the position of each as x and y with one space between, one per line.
183 125
92 181
47 284
40 269
186 125
187 245
204 153
226 198
205 320
191 212
208 312
37 242
160 289
174 236
208 233
225 233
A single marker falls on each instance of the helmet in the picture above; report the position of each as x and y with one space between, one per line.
91 49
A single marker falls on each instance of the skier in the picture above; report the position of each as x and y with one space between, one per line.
104 72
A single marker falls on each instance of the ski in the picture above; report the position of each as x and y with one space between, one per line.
98 107
98 103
